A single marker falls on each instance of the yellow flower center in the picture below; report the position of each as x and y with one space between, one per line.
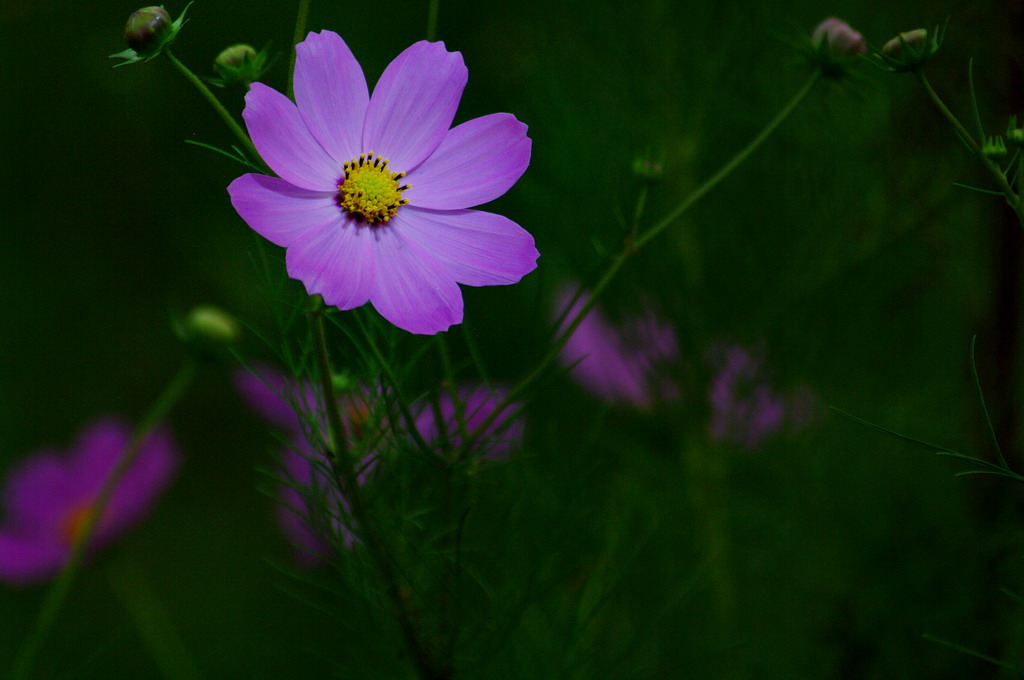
370 190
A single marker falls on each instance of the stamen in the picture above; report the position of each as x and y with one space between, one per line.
369 190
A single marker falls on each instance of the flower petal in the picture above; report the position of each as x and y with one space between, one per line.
23 561
39 491
414 103
476 248
414 291
142 483
331 93
338 261
279 211
284 141
599 361
274 395
477 162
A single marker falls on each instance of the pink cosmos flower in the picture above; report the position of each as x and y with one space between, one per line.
372 195
47 497
499 439
620 365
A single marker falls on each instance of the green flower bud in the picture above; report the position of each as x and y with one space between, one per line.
146 29
147 32
1014 134
208 330
647 169
994 147
239 65
910 50
234 56
910 39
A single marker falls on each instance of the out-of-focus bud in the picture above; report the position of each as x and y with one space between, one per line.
239 65
994 147
647 168
838 37
146 29
208 330
910 50
834 47
147 32
1014 134
908 39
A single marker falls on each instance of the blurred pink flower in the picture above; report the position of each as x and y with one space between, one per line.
624 365
310 505
745 409
47 498
499 439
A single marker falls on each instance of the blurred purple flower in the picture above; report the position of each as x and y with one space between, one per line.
839 38
745 409
310 505
372 198
620 365
47 498
500 438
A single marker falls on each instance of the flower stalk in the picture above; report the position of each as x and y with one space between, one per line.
345 468
1013 198
215 103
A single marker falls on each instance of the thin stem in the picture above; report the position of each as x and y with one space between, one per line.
215 103
345 468
337 437
403 404
1012 199
60 588
735 162
300 28
432 20
631 247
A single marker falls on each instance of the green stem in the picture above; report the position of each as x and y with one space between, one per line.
631 247
337 438
403 403
345 467
58 591
152 621
1012 199
733 163
297 36
432 20
215 103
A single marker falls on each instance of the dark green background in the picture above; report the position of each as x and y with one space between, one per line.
841 248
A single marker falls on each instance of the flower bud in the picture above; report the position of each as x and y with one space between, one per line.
994 147
647 169
147 32
208 330
1013 133
911 39
234 56
146 29
834 47
239 65
909 50
837 36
